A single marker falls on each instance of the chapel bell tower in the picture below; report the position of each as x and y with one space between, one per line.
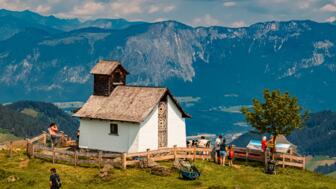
107 75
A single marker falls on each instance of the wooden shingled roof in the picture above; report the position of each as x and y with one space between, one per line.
126 103
105 67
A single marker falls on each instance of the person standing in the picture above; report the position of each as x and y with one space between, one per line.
264 144
271 145
222 153
231 155
217 148
54 180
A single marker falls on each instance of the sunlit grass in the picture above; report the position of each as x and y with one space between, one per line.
34 173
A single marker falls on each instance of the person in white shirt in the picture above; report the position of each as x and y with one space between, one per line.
202 144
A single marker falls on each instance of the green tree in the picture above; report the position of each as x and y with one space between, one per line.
278 114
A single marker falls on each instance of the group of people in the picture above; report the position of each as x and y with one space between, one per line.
222 151
202 143
270 144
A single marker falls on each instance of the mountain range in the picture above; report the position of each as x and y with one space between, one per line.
212 70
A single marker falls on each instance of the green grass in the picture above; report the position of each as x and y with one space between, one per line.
34 173
4 137
30 112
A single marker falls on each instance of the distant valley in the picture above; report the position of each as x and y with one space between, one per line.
212 70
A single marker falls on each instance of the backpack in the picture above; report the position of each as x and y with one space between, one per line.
58 181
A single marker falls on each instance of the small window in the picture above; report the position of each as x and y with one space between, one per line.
117 77
113 129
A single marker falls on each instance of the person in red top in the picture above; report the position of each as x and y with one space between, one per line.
231 155
264 144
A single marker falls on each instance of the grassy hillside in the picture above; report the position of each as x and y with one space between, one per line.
29 118
4 137
34 173
18 124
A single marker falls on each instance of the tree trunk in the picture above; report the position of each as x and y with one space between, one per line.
274 148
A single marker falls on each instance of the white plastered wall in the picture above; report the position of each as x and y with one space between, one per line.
176 126
95 134
148 134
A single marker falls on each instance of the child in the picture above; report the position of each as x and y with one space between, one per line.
231 155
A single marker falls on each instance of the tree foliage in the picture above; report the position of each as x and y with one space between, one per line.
278 114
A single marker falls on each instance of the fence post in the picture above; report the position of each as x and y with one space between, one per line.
75 157
246 154
291 153
194 153
304 163
11 149
44 139
123 161
53 155
148 155
33 150
283 160
100 156
62 138
174 151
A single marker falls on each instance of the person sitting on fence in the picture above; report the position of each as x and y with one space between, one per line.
54 180
217 148
189 143
202 144
53 131
231 155
222 153
264 144
194 143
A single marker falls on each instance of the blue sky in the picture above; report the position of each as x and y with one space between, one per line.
233 13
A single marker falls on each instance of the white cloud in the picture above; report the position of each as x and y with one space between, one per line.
43 9
331 19
161 8
229 4
238 24
87 10
331 7
153 9
11 5
168 8
160 19
304 4
206 20
126 7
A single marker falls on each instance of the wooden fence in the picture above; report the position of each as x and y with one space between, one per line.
282 159
36 148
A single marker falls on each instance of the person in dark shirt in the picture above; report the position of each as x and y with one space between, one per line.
54 180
